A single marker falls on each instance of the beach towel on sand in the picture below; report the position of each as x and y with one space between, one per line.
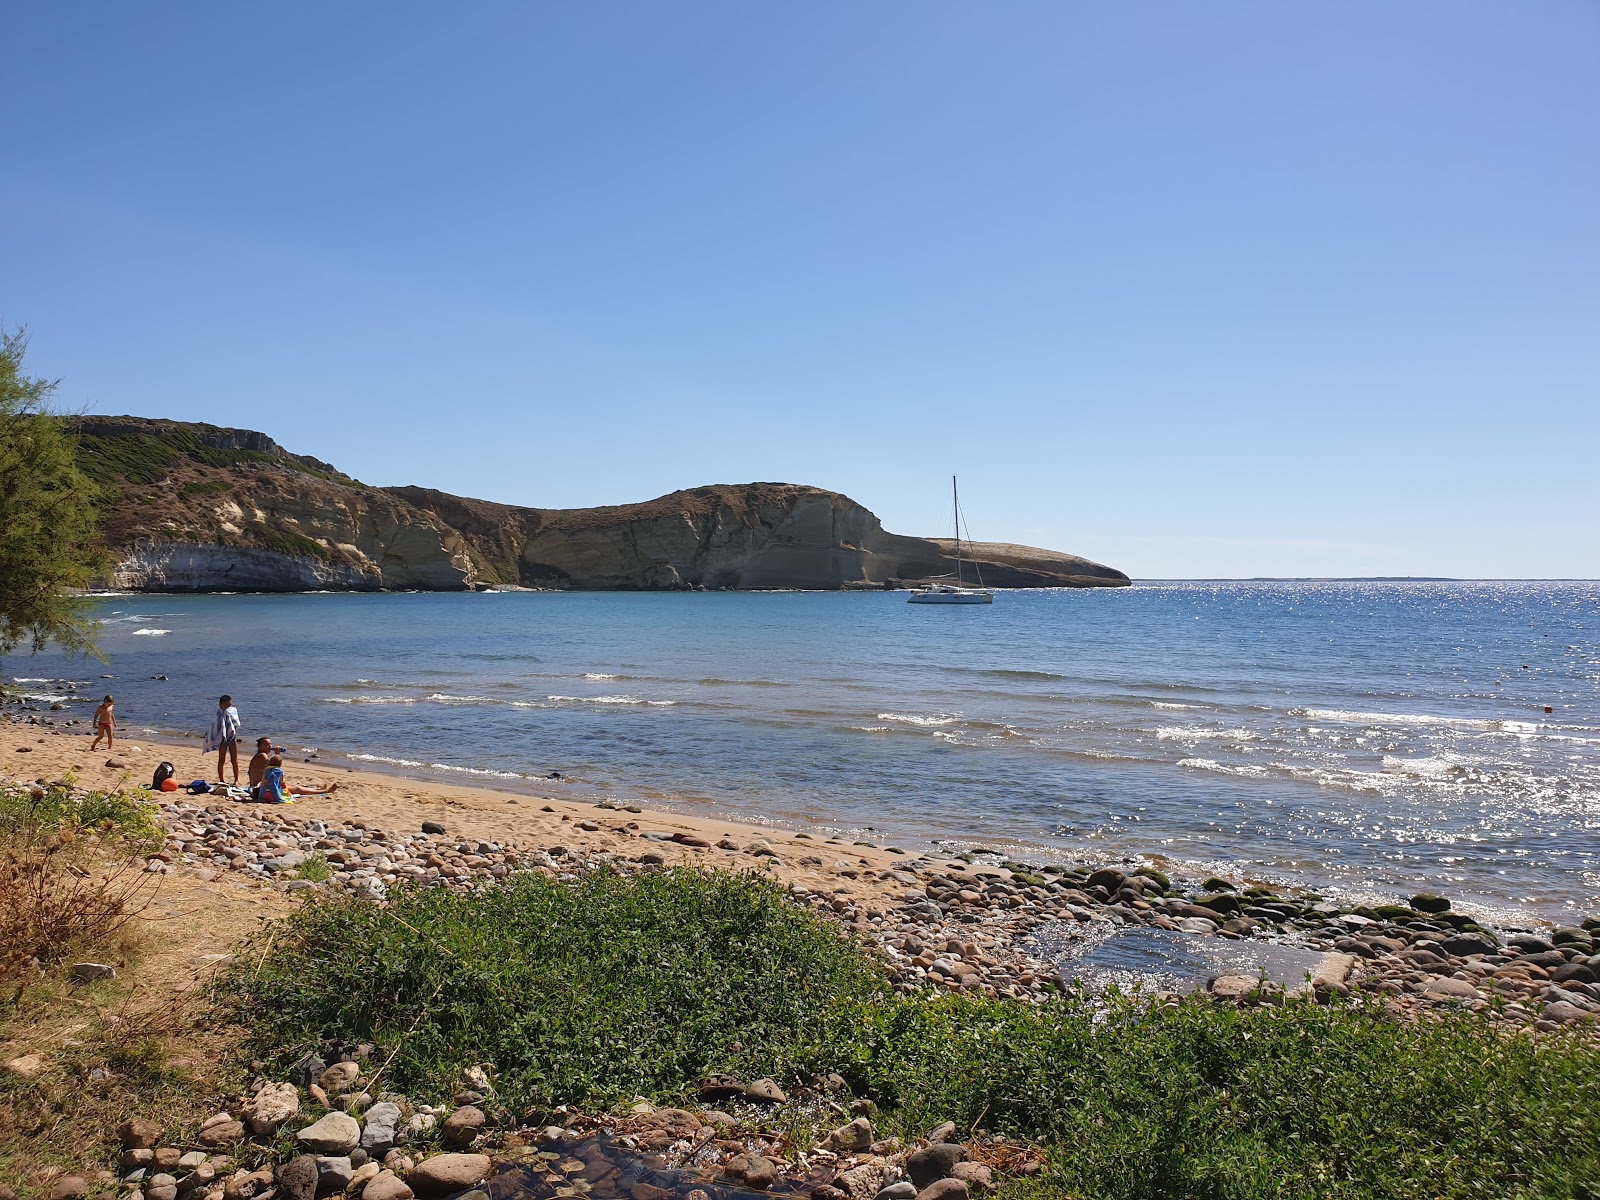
224 728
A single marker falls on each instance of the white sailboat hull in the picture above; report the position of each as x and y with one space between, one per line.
951 596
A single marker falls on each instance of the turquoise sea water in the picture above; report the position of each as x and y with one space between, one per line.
1364 736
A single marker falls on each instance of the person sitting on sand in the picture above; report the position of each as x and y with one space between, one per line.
261 761
105 724
275 790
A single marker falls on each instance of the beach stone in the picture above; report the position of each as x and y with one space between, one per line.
462 1126
26 1065
364 1175
977 1176
138 1134
862 1181
764 1091
243 1185
380 1128
1450 989
1197 925
271 1108
386 1185
446 1173
1234 987
945 1189
167 1158
942 1133
849 1138
419 1125
934 1162
69 1187
131 1160
334 1173
309 1069
336 1134
161 1187
87 972
1465 944
1563 1012
757 1172
432 827
223 1133
1427 902
904 1190
297 1178
477 1078
339 1077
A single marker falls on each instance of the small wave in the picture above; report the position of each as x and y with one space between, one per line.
1427 768
1188 733
367 700
482 772
599 675
1483 725
921 719
611 700
716 681
1176 707
151 632
447 698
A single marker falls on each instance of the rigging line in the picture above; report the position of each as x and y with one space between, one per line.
961 518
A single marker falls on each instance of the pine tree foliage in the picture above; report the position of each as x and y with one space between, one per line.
49 542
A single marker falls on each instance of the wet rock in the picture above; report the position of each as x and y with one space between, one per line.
380 1128
336 1134
272 1107
462 1126
757 1172
139 1134
297 1178
1427 902
446 1173
934 1162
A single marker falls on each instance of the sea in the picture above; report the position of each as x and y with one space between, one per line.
1361 739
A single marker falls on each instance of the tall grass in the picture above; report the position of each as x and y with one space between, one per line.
619 986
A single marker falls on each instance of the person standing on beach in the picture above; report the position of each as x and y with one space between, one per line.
223 736
105 724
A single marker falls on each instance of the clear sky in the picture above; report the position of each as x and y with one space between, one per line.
1194 289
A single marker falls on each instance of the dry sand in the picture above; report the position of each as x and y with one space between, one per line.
40 752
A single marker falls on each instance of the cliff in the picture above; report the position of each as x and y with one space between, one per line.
192 507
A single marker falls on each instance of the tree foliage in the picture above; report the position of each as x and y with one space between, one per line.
49 541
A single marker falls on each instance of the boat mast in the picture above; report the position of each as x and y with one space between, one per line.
955 505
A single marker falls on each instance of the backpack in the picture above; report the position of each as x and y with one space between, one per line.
163 773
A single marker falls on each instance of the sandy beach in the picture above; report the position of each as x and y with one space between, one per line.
39 752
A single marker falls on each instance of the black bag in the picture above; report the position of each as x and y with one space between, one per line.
164 771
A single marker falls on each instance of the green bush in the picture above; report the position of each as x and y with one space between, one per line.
121 815
594 992
615 986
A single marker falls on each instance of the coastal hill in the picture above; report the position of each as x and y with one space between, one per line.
193 507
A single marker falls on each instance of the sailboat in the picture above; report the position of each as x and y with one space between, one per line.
957 592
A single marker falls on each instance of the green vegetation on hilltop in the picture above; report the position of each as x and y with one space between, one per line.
614 986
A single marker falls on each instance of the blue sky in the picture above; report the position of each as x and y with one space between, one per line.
1193 289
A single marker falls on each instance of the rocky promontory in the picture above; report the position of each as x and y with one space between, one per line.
191 508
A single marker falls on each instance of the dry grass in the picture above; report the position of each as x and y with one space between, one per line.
58 897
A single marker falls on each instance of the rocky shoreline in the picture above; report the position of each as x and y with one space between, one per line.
979 924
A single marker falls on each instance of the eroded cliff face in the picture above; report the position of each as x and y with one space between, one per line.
196 508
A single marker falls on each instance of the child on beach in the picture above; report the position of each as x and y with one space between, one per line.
274 789
223 736
105 724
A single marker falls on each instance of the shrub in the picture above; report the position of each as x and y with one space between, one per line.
614 986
